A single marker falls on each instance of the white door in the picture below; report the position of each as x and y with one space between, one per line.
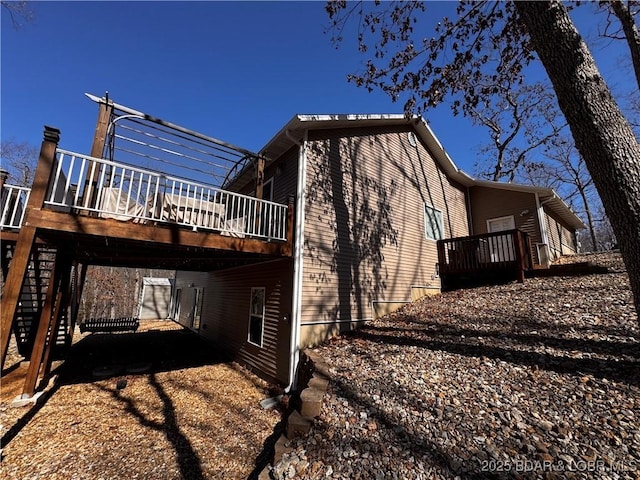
501 247
197 308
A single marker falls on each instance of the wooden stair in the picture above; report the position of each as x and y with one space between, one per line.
32 297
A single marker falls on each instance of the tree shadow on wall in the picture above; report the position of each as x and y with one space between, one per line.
353 207
356 206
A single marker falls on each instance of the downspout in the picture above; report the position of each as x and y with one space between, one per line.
543 228
469 213
298 246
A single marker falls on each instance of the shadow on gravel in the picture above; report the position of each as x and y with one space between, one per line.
160 351
529 324
418 445
11 433
451 333
10 368
154 350
444 339
517 325
188 460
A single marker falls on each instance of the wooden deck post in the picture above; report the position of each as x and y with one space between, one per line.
65 266
90 192
3 177
290 223
61 306
79 289
51 337
259 191
26 238
519 246
260 178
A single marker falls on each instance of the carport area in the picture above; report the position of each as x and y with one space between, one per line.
158 403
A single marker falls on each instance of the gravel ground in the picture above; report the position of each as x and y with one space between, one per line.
533 380
191 416
539 380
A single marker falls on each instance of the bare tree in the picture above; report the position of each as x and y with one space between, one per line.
601 133
624 29
520 120
18 11
19 159
605 236
498 41
114 292
564 170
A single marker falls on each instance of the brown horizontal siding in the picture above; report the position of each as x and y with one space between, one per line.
313 334
225 316
555 244
561 238
364 227
284 173
488 203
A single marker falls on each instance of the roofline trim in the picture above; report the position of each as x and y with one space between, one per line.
433 143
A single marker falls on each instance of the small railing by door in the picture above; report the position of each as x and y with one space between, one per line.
489 253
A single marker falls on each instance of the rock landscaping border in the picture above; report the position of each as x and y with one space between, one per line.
313 374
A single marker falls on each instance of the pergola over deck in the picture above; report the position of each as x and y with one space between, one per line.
150 194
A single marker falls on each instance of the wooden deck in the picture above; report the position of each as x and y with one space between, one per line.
98 211
484 258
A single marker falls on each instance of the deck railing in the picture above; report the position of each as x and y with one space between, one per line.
13 200
490 252
109 189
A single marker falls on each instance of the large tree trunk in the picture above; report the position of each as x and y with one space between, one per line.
601 133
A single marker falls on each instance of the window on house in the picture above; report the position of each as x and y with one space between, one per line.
433 223
256 316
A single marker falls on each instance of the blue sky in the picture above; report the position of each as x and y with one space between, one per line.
237 71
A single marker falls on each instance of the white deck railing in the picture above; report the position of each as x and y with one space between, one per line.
123 192
13 200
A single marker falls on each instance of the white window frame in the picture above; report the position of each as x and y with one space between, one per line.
253 315
501 248
264 184
498 219
439 219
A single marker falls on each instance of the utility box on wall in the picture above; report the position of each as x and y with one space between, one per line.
542 250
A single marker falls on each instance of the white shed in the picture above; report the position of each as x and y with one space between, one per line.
155 301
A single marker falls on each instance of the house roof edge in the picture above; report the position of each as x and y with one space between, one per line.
294 130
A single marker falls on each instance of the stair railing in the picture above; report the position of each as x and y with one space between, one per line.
13 200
